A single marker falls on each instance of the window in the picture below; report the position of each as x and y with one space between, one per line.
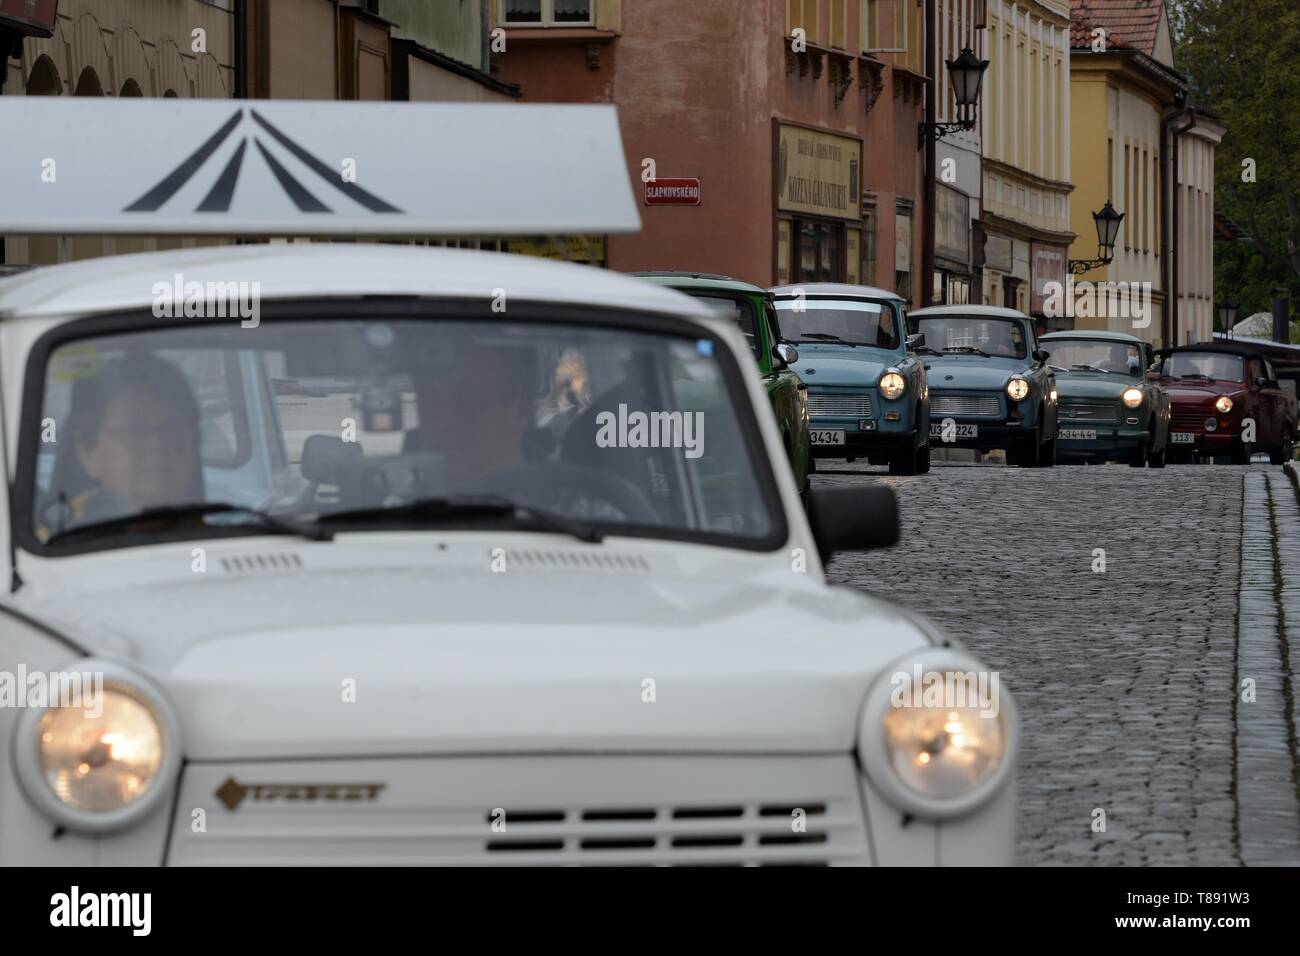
547 13
739 310
868 276
802 14
840 24
884 26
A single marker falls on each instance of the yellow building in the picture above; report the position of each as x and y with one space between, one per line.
1130 126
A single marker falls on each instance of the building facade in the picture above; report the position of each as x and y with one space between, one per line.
164 48
1137 143
1027 171
798 118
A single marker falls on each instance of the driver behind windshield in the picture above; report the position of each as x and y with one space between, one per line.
133 444
492 436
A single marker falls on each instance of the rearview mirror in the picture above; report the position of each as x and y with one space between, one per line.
785 355
1041 355
1153 375
916 341
853 518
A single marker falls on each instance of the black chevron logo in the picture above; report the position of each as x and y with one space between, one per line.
223 190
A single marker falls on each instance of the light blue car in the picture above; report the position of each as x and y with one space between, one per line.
867 393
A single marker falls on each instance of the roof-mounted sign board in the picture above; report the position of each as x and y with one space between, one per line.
299 168
30 17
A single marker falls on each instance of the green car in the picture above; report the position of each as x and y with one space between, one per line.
752 308
1111 407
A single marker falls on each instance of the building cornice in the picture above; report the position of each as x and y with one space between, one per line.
1022 230
1015 172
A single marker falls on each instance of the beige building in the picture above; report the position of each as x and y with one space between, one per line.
1137 144
1026 151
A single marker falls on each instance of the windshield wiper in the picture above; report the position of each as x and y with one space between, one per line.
926 348
176 514
968 348
1096 368
1195 375
470 506
828 337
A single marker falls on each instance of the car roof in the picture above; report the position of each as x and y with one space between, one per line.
1098 334
1221 348
700 280
834 289
332 270
989 311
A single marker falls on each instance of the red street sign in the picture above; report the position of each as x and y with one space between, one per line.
34 17
672 192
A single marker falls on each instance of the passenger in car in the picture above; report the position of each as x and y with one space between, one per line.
133 444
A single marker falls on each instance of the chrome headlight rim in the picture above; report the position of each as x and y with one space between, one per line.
885 390
1223 404
27 756
873 752
1132 397
1011 388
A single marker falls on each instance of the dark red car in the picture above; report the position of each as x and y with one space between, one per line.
1218 395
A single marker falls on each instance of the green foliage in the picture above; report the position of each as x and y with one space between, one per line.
1239 56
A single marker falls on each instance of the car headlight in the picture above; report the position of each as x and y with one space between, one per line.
937 736
1132 397
1017 389
103 761
1224 404
892 384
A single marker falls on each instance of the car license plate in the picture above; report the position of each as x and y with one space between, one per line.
1183 438
827 437
1079 434
959 431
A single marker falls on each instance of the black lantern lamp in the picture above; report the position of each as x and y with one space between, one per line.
966 73
1108 223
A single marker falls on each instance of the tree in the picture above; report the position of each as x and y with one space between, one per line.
1238 56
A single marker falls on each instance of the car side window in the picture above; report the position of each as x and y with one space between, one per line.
742 311
773 325
1268 371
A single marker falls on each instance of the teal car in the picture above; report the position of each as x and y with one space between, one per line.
752 309
990 384
1110 409
867 394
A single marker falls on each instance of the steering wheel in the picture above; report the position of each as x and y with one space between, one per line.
558 481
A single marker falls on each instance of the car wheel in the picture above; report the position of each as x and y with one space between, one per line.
1285 452
923 459
1047 457
1138 459
1156 459
904 461
1031 454
1240 454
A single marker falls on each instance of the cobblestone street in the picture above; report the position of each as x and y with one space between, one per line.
1124 678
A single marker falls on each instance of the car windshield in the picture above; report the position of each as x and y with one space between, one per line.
303 421
740 311
1227 368
1094 355
1003 338
856 322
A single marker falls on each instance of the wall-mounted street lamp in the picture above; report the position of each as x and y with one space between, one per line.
1227 311
966 73
1108 221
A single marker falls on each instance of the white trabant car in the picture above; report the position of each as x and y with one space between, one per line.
450 557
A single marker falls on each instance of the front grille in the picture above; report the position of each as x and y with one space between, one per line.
823 405
1186 420
988 406
1088 413
529 811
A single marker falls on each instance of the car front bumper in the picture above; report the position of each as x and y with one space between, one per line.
1108 442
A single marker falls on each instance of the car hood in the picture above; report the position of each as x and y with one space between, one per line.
1201 393
842 365
1092 385
972 371
474 662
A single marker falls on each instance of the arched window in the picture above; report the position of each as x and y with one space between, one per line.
88 83
170 94
131 88
44 78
